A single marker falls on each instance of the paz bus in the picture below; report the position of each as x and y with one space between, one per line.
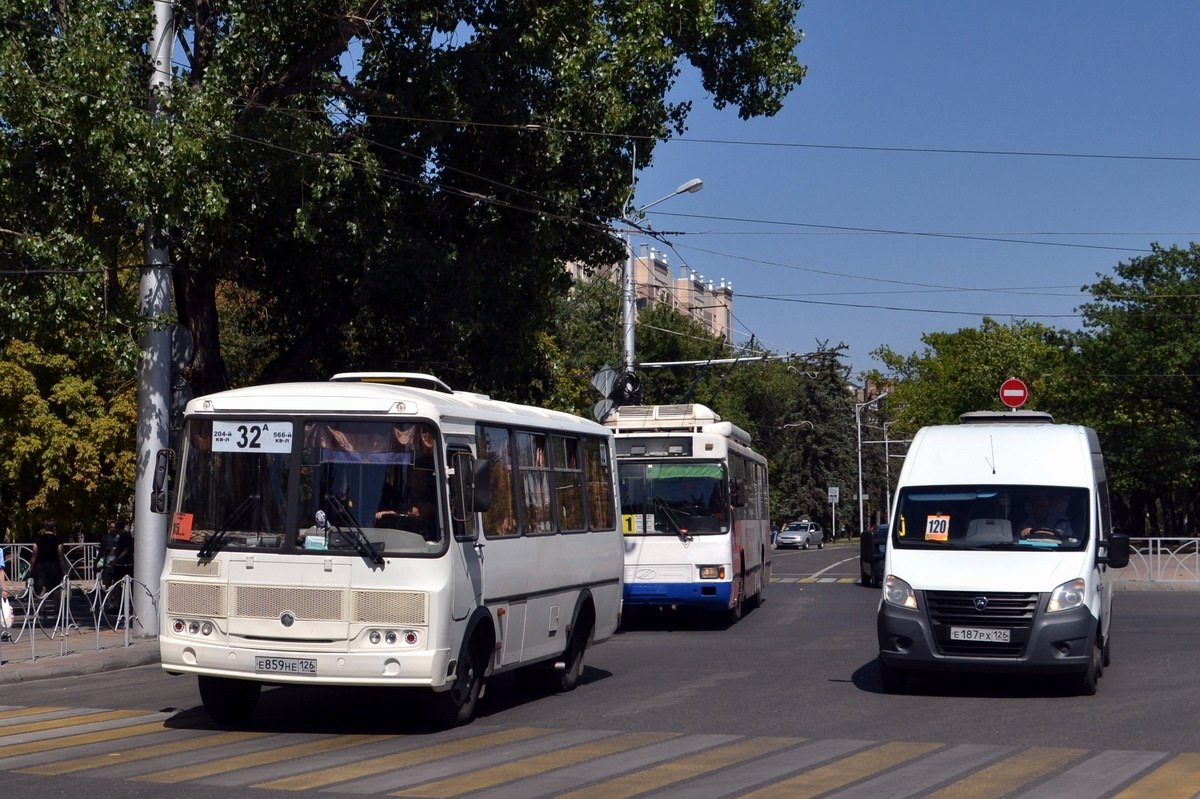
381 530
694 509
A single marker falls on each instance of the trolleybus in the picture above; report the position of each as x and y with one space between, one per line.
381 529
694 509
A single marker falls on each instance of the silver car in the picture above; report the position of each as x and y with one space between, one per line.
800 535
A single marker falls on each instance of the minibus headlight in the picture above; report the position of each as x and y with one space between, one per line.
1067 596
898 592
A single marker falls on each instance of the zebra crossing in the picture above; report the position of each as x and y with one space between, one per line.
494 761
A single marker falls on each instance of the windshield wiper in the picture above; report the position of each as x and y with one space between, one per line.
669 515
214 542
357 537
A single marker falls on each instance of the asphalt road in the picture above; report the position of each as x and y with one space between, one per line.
674 705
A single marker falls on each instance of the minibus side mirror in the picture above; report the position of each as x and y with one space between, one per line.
1116 553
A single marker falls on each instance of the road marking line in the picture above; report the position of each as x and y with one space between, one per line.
223 766
64 742
412 757
640 782
1005 776
140 753
845 771
533 766
1178 777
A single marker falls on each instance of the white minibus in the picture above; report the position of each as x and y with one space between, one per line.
998 552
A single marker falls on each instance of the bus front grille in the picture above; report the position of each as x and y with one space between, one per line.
196 599
307 604
400 608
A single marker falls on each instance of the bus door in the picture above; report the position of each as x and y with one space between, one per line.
467 547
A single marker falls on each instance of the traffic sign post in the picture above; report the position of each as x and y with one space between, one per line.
1014 393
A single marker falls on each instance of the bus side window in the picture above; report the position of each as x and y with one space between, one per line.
494 445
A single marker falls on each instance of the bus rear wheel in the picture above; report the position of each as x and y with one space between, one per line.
568 678
228 701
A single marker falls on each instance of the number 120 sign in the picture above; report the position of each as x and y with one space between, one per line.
230 436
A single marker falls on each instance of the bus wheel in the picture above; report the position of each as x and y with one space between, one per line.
568 678
457 705
228 701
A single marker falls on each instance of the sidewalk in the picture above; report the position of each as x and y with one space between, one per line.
41 658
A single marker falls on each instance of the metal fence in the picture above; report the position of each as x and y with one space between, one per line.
81 560
1162 560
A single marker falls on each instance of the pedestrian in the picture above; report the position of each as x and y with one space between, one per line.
49 559
774 532
122 558
107 549
7 622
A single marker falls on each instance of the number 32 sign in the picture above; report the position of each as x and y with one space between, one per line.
229 436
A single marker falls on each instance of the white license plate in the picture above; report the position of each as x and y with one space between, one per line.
988 636
269 665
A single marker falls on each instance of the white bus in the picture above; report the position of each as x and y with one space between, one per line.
694 509
382 530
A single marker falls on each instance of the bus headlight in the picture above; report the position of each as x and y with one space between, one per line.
1067 596
712 572
898 592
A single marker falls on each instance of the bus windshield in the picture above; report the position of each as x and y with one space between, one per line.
1018 517
364 486
675 498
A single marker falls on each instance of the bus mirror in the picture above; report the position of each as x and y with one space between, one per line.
481 488
1116 551
738 493
162 468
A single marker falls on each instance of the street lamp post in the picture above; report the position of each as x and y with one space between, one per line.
887 469
628 305
858 407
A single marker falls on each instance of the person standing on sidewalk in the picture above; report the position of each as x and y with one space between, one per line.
122 558
49 559
108 549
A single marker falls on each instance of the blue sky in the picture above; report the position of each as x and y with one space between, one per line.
1105 92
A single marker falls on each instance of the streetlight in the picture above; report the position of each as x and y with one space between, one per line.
811 426
858 406
887 469
628 307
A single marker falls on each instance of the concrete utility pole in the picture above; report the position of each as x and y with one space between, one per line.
154 372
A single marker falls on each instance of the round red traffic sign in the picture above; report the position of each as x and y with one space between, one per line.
1014 392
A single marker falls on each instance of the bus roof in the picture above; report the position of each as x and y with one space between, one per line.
694 418
348 394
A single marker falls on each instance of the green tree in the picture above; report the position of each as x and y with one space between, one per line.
962 371
341 185
1140 383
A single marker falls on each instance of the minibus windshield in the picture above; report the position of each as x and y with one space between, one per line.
1017 517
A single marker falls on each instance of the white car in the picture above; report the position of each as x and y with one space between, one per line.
800 535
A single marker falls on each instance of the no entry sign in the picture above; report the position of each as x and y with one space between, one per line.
1014 392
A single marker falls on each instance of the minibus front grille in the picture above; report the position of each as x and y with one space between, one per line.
1014 612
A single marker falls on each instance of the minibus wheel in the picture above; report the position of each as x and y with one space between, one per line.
1091 675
